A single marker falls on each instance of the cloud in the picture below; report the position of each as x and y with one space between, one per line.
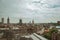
34 9
48 3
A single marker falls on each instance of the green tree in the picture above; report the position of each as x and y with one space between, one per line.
48 35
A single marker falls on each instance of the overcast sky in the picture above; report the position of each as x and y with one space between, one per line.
39 10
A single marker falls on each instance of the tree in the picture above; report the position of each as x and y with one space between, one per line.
49 34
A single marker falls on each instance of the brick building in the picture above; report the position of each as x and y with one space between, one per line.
55 36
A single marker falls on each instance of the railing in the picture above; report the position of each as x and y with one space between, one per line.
39 37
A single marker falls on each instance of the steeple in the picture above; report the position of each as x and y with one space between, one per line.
8 20
32 21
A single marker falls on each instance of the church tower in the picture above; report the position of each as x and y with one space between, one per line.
2 20
8 20
20 22
32 21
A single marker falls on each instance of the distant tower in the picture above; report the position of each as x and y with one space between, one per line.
32 21
2 20
20 21
8 20
29 22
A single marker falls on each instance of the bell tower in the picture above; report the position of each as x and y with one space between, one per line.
2 20
8 20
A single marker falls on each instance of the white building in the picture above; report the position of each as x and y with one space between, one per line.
58 28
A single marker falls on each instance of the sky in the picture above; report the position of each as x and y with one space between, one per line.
41 11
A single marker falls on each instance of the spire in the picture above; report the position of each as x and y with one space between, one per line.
32 21
8 20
